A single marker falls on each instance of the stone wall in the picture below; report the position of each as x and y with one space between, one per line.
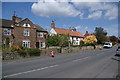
68 50
15 55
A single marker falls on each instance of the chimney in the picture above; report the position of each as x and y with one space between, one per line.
86 32
52 24
74 29
16 19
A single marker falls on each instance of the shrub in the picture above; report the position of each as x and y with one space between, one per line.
29 52
114 43
75 45
33 52
22 53
16 48
6 50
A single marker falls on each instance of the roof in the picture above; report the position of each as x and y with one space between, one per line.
6 23
88 34
39 28
66 32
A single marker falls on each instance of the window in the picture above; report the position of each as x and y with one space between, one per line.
26 25
42 44
7 31
26 33
40 34
26 44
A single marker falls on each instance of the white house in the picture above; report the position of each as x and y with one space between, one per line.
75 37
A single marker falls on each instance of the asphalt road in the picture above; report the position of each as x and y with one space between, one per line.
85 64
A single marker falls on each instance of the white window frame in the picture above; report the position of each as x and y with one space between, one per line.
26 43
42 44
40 34
8 31
26 25
26 33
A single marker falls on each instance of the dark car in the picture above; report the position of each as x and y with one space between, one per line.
118 51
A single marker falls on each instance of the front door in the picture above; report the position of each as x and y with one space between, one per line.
37 44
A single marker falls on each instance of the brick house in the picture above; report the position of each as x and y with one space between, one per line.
75 37
22 33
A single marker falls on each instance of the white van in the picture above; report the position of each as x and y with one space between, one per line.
108 45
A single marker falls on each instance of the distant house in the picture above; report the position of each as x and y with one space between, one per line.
22 33
88 34
75 37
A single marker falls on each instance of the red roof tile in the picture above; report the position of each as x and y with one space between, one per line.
66 32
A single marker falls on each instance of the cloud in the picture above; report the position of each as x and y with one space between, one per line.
54 8
71 8
110 10
95 0
112 13
95 15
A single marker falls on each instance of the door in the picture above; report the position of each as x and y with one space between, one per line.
37 44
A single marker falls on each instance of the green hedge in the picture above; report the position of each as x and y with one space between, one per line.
29 52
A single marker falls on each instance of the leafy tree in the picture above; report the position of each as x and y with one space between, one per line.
57 40
113 38
101 35
90 40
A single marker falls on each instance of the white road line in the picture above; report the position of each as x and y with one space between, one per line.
80 59
30 71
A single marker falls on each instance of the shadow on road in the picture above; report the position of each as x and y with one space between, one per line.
116 59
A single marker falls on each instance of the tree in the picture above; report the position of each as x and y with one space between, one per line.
57 40
113 39
101 35
90 40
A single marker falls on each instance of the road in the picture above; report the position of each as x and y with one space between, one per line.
84 64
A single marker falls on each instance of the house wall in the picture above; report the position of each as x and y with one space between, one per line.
76 40
19 37
52 32
72 38
41 39
4 37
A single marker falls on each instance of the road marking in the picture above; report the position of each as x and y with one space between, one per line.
30 71
80 59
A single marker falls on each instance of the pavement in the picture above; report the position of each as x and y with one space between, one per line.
85 64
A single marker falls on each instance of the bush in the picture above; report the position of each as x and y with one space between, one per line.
29 52
6 50
34 52
75 45
22 53
16 48
114 43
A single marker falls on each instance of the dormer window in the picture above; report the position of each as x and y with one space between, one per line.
26 25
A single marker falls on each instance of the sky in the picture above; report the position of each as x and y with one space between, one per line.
84 16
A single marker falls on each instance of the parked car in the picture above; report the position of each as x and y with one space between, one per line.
108 45
118 51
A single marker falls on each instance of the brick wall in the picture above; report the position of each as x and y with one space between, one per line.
19 37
